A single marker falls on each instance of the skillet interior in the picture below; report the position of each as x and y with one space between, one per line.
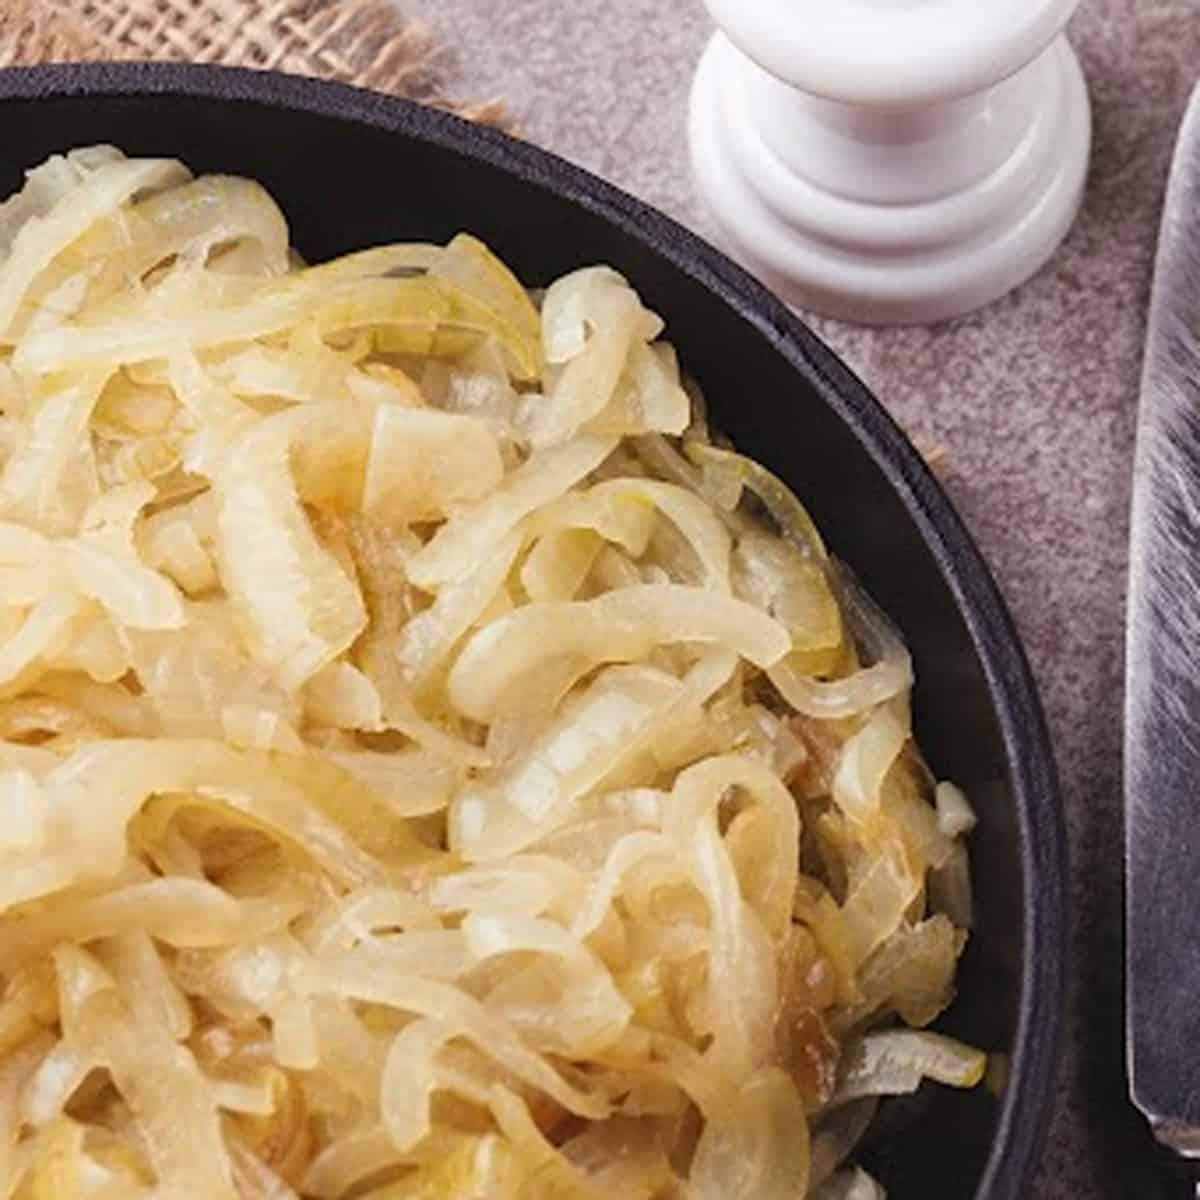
352 169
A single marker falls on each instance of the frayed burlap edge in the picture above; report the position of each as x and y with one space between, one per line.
366 42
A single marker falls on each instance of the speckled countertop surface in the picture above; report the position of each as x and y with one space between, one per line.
1034 398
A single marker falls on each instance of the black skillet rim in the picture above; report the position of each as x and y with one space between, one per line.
1024 1112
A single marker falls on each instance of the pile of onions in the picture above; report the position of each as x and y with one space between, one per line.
428 766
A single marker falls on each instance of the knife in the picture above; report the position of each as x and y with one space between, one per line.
1162 698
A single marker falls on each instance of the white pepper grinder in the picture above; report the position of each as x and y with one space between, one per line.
891 161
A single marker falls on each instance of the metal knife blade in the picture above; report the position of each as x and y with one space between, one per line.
1162 699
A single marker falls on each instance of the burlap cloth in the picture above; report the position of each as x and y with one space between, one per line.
366 42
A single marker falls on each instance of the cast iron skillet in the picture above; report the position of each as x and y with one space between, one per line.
352 168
